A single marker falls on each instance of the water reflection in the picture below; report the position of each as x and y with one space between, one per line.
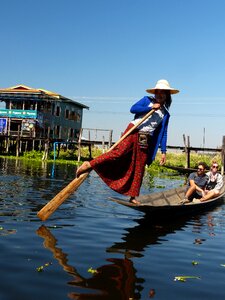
50 243
144 234
25 186
36 168
116 280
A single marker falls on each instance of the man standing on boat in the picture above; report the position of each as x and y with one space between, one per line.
122 168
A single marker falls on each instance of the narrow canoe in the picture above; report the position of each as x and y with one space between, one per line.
168 203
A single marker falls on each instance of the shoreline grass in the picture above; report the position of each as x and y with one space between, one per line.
70 157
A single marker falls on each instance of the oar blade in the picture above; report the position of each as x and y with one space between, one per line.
52 205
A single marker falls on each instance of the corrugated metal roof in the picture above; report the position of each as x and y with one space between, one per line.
23 89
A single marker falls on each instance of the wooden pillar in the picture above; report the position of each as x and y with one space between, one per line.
17 147
110 138
20 146
89 148
79 145
40 145
48 134
89 144
20 142
7 145
223 156
187 150
103 144
46 148
8 131
58 149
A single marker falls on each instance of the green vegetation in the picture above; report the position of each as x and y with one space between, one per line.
179 159
173 159
70 156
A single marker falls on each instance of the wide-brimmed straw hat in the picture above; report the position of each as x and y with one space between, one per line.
162 84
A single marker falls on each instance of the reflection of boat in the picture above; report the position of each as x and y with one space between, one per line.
144 234
167 204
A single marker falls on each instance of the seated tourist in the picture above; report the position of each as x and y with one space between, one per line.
196 184
215 183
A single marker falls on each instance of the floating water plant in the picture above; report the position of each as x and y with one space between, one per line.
41 268
92 271
195 263
5 232
184 278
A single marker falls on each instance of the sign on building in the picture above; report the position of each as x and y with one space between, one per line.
3 126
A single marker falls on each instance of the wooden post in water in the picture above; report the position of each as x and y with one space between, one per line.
103 144
46 149
89 145
79 145
17 147
223 156
18 143
185 150
188 151
110 138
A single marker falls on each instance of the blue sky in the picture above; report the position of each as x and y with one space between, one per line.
106 53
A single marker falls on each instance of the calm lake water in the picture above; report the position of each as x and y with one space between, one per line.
92 248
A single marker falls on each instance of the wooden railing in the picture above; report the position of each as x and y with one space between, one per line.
187 149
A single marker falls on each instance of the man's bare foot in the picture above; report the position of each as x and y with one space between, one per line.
202 199
134 201
85 167
184 201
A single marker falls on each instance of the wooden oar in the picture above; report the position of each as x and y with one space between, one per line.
52 205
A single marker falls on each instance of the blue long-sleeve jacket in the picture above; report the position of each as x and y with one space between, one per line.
159 138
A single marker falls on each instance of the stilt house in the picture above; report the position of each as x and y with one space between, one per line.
30 114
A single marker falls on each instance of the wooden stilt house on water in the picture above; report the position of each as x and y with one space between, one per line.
30 118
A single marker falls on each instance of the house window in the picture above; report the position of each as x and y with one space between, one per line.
71 132
29 105
49 107
77 117
41 107
58 110
72 115
57 131
67 113
53 109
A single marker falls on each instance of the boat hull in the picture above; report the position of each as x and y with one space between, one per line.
167 204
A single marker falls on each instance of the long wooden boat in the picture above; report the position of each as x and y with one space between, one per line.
167 204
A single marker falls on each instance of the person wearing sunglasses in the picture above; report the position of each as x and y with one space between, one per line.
215 183
196 184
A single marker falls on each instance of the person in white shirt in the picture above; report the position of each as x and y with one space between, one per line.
123 167
215 183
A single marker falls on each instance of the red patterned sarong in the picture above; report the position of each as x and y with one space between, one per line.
122 168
